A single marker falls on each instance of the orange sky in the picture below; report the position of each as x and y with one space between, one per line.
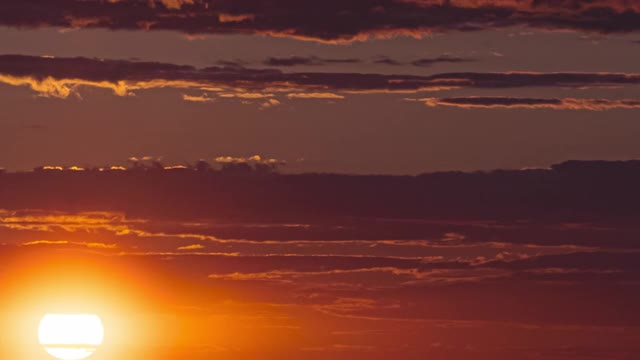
191 294
201 174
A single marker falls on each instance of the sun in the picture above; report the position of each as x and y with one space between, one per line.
70 336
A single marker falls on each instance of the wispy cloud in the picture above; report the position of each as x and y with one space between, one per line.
204 98
314 96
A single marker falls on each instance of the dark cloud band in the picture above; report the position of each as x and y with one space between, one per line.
327 20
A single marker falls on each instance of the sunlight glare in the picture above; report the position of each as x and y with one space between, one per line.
70 336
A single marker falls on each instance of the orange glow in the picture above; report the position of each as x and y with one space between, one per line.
45 281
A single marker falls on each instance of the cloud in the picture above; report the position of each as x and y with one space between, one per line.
387 61
231 63
270 103
175 4
340 348
235 18
589 288
61 77
475 102
328 20
289 276
45 242
622 261
424 62
317 267
230 159
330 209
246 95
250 159
314 96
191 247
91 245
310 60
204 98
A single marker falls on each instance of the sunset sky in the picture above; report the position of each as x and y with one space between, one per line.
322 179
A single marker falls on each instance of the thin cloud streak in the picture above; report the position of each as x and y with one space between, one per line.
447 59
307 61
314 96
478 102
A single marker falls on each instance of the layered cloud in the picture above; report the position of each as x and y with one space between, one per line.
322 276
376 264
331 20
61 77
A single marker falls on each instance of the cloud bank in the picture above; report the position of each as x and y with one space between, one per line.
327 20
61 78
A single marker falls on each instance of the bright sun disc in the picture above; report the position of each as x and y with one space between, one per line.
70 336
